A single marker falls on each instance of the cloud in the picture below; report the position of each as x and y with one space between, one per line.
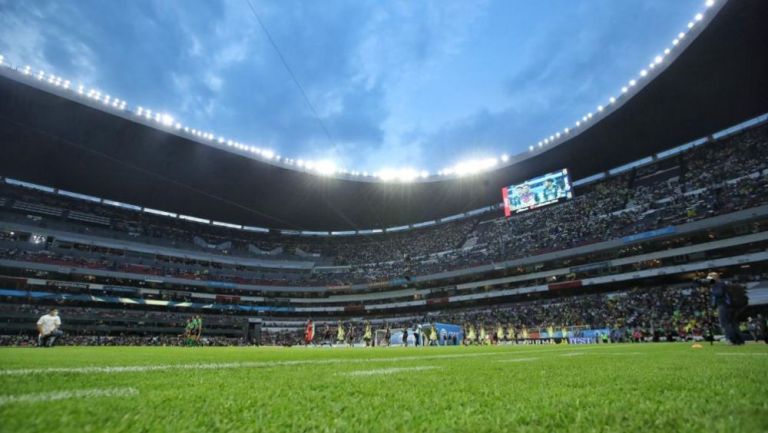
396 83
556 77
26 41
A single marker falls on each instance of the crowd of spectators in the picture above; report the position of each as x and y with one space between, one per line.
675 312
671 309
680 311
722 176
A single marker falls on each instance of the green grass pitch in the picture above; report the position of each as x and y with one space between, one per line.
603 388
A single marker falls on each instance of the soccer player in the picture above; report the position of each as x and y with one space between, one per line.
387 335
327 335
48 328
340 333
351 334
367 334
198 329
511 333
309 332
189 331
433 336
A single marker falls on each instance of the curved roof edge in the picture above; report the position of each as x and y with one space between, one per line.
718 80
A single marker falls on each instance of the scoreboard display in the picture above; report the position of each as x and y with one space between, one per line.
539 191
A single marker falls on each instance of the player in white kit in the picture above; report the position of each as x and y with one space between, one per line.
48 328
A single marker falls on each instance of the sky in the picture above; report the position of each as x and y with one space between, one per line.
388 84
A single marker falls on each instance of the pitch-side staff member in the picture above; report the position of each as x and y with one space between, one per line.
728 304
48 328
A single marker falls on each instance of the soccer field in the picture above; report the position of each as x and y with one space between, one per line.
628 388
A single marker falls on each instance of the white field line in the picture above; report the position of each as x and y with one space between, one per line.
386 371
518 360
228 365
64 395
264 364
571 354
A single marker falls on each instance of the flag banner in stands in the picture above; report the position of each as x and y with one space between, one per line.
539 191
649 234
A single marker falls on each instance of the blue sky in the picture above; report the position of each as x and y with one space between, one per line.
396 83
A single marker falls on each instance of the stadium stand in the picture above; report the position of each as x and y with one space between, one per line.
658 223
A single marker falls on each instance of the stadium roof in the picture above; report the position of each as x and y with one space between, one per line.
719 79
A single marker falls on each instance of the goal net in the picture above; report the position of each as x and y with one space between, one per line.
396 337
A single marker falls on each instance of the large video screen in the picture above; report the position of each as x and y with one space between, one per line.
539 191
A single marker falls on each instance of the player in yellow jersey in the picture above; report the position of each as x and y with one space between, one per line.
340 333
511 333
433 336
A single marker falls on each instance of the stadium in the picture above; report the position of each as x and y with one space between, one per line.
611 277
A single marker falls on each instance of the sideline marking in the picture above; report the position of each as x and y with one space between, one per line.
518 360
64 395
385 371
268 364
